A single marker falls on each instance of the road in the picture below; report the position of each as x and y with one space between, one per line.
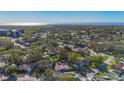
94 70
118 78
19 45
82 78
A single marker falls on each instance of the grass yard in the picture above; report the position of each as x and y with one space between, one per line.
99 76
1 37
110 65
105 57
19 75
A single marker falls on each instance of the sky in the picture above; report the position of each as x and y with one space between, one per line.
56 17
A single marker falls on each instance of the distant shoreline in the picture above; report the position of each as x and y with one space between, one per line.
80 24
95 23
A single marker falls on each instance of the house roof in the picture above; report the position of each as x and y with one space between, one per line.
80 64
14 30
51 53
24 67
61 66
119 66
2 65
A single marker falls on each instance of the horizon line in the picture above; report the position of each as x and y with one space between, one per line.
66 23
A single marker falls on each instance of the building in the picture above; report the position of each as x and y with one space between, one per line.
24 69
4 31
103 67
15 33
51 53
119 68
80 64
11 32
61 67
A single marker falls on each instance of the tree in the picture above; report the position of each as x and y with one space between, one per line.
35 54
40 67
14 56
73 57
11 69
48 75
95 61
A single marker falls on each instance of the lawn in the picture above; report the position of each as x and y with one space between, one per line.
110 65
19 75
1 37
122 76
99 76
112 78
33 74
105 57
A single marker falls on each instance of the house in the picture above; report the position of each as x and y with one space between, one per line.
90 76
24 69
33 38
51 53
15 33
63 61
26 44
102 67
119 68
61 67
80 64
74 49
43 35
49 66
106 77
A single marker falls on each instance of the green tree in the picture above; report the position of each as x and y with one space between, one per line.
73 57
48 75
10 69
95 61
35 54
